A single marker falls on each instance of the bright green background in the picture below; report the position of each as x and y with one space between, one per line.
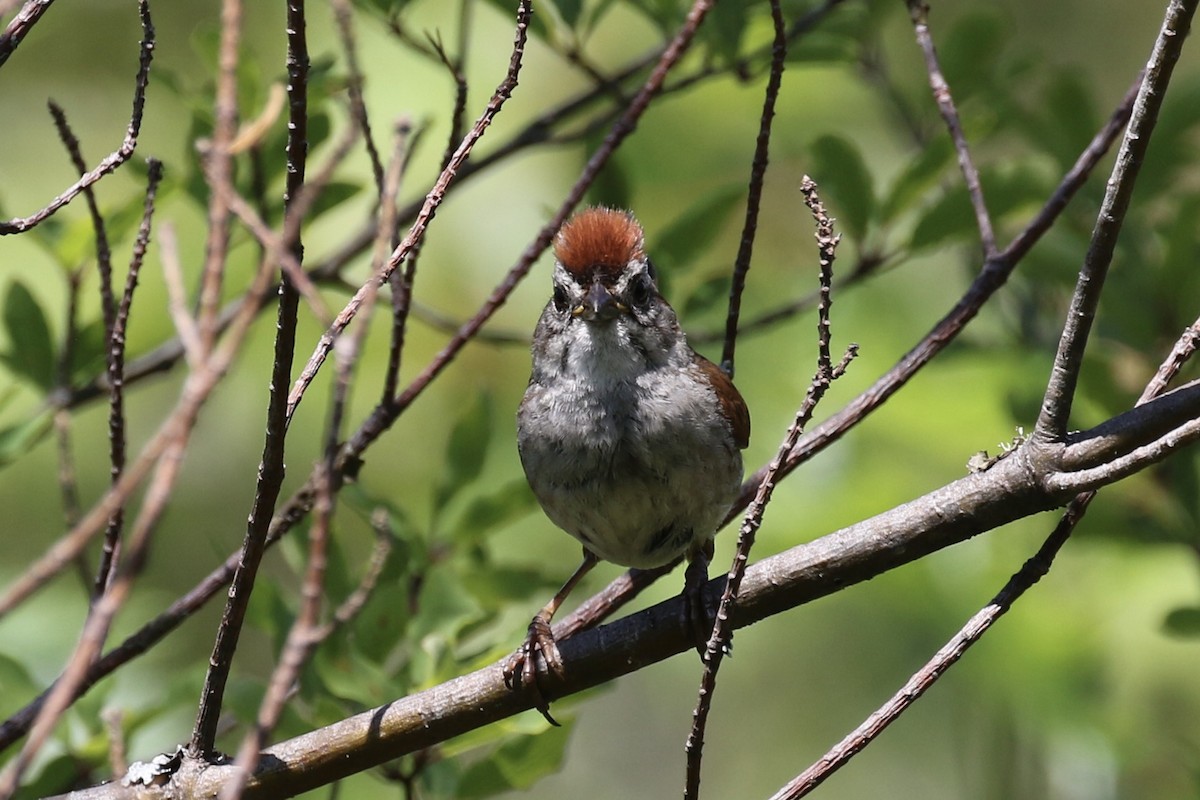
1081 692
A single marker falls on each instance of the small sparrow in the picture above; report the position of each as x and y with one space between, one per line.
630 439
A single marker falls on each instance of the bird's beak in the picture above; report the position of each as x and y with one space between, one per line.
599 305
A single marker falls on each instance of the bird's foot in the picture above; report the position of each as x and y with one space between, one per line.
700 616
521 669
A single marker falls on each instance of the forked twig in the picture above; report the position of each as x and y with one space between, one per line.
1030 573
758 172
432 201
722 632
114 159
919 11
1068 361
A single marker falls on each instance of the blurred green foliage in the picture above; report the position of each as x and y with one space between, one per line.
1086 690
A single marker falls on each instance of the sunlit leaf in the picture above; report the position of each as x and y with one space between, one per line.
845 185
30 352
693 231
918 176
17 440
466 450
517 764
507 503
1183 622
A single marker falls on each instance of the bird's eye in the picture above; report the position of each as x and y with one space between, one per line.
641 290
560 298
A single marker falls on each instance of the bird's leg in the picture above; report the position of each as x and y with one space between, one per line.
540 639
695 578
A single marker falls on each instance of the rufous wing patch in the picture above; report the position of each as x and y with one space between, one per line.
733 407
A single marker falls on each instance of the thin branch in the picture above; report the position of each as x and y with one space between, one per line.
354 86
271 468
432 200
218 167
185 325
68 485
458 115
301 641
114 159
919 11
113 353
1033 570
758 172
385 414
1030 573
1060 391
401 282
20 25
722 632
116 373
355 602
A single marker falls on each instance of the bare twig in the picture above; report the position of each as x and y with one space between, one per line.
20 25
385 414
68 485
401 282
758 172
301 640
1060 391
113 719
113 353
218 167
919 11
1030 573
432 200
539 131
116 373
271 468
722 632
185 325
354 86
113 160
356 600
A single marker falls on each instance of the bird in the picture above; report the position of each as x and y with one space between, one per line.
630 440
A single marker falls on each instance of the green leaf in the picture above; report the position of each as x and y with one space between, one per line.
465 452
845 184
31 350
693 232
723 33
332 195
706 296
517 764
569 10
507 503
825 47
16 685
970 53
347 675
918 177
1183 622
87 351
17 440
949 218
384 8
537 24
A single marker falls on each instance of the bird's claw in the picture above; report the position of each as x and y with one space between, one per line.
521 669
